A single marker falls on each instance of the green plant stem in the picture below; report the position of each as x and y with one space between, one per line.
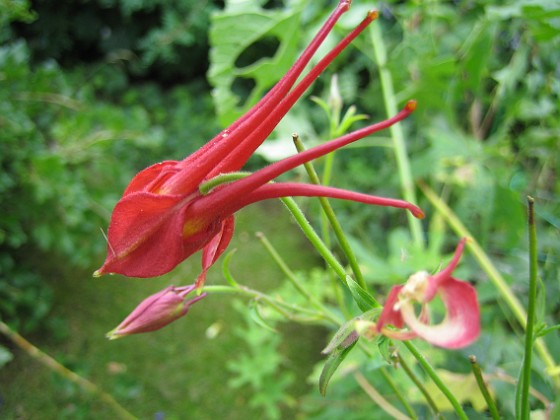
436 379
401 155
333 221
494 276
63 371
529 339
398 393
418 384
483 389
293 278
378 398
315 240
282 308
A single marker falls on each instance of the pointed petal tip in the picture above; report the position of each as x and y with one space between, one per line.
373 14
411 105
98 273
417 212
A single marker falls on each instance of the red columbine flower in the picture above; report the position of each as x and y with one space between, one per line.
157 311
461 325
173 209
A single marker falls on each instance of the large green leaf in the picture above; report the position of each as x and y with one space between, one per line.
233 31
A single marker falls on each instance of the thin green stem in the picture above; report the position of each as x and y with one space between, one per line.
477 372
378 398
315 240
401 155
495 277
436 379
320 246
331 216
398 393
282 308
414 378
292 278
529 339
63 371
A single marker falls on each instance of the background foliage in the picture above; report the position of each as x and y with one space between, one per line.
92 92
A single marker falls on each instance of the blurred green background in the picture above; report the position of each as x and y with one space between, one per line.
93 91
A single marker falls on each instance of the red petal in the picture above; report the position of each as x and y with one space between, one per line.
444 275
213 249
146 235
287 189
390 315
461 325
152 177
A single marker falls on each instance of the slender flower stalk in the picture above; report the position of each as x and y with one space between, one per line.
477 372
525 377
437 380
164 216
418 383
329 214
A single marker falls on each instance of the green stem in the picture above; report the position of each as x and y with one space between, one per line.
320 246
282 308
529 339
401 155
378 398
483 389
335 224
63 371
436 379
494 276
398 393
294 280
418 384
315 240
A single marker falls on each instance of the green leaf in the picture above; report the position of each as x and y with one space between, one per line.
232 32
340 336
331 365
225 268
256 316
362 298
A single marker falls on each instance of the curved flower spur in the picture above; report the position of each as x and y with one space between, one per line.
173 209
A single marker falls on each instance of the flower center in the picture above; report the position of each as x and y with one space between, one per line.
413 290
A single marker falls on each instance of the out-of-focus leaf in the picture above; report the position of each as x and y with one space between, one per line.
463 386
362 298
331 365
6 356
232 32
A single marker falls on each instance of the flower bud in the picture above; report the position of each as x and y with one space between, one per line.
156 311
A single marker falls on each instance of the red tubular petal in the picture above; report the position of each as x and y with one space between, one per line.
223 197
211 156
461 325
288 189
255 139
146 236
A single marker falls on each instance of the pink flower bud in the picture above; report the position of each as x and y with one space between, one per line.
156 311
